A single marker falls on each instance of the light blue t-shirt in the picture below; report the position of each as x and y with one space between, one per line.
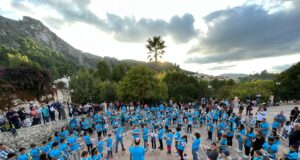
196 144
137 153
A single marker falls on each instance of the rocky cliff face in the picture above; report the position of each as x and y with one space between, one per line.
11 31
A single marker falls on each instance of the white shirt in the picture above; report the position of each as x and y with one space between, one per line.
261 115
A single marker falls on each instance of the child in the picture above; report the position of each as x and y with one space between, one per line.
109 143
99 129
45 148
87 141
55 152
182 143
85 156
160 137
271 148
210 129
100 145
258 155
286 129
240 135
23 154
292 154
64 149
223 143
169 138
34 152
96 155
153 140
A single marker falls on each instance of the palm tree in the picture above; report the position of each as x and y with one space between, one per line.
156 48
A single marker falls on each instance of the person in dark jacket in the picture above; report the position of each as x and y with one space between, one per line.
294 114
212 153
22 115
294 137
259 141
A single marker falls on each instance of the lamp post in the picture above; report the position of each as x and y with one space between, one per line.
277 84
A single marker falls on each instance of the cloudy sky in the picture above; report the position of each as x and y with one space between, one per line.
207 36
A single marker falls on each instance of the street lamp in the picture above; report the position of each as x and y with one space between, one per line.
277 84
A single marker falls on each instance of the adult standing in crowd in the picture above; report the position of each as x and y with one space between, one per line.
22 115
13 119
52 111
212 153
294 114
45 113
294 137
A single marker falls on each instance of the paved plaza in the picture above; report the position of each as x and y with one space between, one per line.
162 155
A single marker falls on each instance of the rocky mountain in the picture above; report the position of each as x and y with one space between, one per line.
31 32
11 31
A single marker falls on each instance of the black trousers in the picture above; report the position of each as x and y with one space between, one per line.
247 150
229 141
89 147
161 145
210 135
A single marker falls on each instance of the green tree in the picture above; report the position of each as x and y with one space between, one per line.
82 85
289 88
103 71
156 48
182 87
17 59
118 72
106 91
138 84
263 87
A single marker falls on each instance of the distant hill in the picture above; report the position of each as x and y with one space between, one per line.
234 76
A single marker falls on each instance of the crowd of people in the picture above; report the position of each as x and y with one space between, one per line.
173 128
32 114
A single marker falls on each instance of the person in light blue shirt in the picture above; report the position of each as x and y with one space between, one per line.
189 124
34 152
85 156
292 154
64 149
271 148
160 137
210 129
264 127
109 143
119 137
45 148
45 113
55 152
96 155
88 142
23 154
169 137
250 136
74 124
64 133
240 135
100 145
196 145
258 155
99 129
73 145
136 132
145 135
182 143
223 143
137 152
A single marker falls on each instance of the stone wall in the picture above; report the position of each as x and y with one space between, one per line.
35 134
